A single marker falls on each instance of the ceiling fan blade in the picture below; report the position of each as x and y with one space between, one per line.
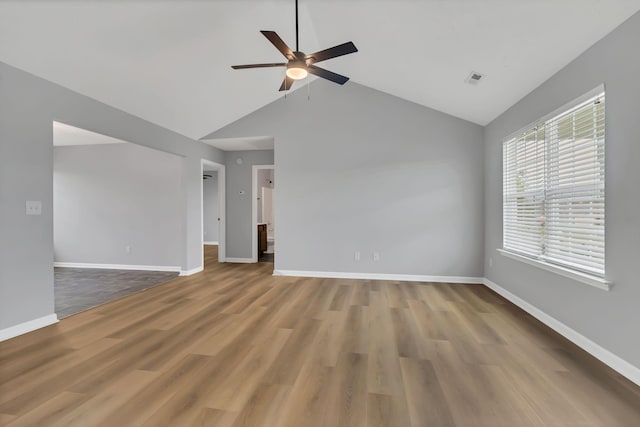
273 64
326 74
275 39
332 52
286 84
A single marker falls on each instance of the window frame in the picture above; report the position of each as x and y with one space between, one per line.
578 274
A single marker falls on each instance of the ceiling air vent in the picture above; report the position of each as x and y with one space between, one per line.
474 78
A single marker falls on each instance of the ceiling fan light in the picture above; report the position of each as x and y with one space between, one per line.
296 73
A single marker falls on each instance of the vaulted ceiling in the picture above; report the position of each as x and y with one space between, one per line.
169 61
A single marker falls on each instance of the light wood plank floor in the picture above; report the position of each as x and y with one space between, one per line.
235 346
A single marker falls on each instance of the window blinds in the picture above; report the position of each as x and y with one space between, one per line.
553 189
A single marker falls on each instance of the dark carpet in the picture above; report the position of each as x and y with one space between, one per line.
77 289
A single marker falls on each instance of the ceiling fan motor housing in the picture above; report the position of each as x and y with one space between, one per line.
298 61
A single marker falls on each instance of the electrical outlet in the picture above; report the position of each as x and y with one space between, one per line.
356 256
376 256
34 207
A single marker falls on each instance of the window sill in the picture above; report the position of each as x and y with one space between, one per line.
590 280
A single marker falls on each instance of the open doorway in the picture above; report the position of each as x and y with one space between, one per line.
117 218
264 224
213 213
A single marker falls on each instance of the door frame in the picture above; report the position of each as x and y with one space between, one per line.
254 209
220 169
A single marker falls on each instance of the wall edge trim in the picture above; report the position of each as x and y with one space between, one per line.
28 326
618 364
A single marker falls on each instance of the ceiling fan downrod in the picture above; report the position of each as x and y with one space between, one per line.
297 49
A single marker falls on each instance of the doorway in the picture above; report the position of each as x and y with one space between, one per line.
116 218
213 230
264 224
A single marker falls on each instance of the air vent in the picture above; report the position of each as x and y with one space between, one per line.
474 78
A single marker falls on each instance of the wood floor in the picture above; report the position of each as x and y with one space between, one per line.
235 346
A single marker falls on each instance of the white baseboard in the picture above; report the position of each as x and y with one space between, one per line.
210 243
31 325
379 276
192 271
240 260
616 363
117 266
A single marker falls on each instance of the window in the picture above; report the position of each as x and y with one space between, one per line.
553 189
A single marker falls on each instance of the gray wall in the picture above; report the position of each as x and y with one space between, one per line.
210 207
362 170
239 222
28 107
108 197
610 319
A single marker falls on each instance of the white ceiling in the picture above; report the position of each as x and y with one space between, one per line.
168 61
65 135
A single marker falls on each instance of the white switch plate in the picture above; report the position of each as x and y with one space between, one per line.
376 256
356 256
34 207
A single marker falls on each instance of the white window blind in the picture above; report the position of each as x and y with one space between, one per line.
553 189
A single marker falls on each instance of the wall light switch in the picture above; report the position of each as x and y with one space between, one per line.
376 256
34 207
356 256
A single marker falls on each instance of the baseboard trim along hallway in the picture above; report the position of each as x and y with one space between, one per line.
31 325
240 260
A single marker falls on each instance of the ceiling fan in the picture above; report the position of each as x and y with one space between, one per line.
300 65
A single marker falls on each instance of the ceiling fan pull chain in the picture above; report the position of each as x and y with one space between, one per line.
285 84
